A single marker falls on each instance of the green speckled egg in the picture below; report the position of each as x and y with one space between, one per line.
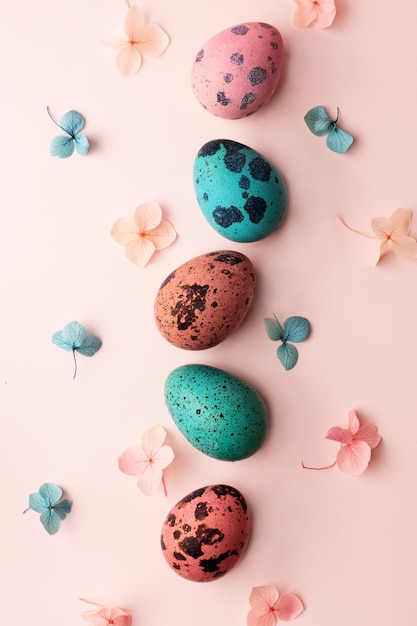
241 194
218 413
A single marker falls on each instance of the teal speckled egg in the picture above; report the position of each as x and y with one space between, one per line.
241 194
218 413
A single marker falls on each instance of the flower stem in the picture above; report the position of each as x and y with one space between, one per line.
358 232
318 468
75 364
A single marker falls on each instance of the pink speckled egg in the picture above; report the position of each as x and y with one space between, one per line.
205 534
201 302
236 71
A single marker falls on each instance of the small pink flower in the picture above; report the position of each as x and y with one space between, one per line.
103 616
143 233
135 40
148 461
320 13
356 445
268 606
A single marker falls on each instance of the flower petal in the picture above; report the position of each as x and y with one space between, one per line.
326 12
263 597
152 440
304 14
336 433
257 617
152 40
354 458
50 493
134 22
289 606
405 246
129 60
383 249
133 461
401 222
124 230
163 235
163 457
150 480
369 434
148 216
140 251
353 422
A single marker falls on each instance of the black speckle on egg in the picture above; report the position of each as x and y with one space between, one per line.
192 300
212 565
192 547
255 208
274 45
199 56
205 196
237 58
264 25
229 259
257 75
223 99
241 29
193 495
247 99
260 169
228 78
202 511
179 556
244 182
226 216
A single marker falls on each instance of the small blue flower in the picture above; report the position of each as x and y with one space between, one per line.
321 124
296 329
74 337
62 146
48 503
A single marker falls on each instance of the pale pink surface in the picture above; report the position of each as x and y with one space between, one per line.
345 544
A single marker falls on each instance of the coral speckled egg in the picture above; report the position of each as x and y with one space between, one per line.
206 533
205 299
218 413
241 194
237 71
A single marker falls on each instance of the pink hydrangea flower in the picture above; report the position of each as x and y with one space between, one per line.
268 606
356 444
320 13
148 460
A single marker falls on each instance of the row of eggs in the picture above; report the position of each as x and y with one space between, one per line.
244 198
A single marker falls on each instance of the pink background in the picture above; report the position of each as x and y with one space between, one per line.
344 544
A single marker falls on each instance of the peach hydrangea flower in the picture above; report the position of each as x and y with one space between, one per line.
143 233
137 39
268 606
320 13
104 616
393 232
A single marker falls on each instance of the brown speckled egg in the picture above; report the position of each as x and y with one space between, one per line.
201 302
205 534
